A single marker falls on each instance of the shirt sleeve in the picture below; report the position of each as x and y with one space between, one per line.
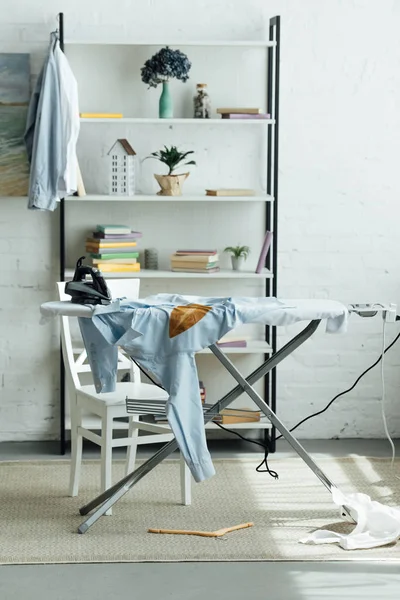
102 356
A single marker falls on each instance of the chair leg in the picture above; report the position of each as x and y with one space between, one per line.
106 452
76 447
186 483
133 434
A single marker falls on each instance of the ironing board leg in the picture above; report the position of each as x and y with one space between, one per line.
108 498
263 406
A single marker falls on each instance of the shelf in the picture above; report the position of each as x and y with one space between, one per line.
172 43
253 347
179 121
155 198
94 423
148 274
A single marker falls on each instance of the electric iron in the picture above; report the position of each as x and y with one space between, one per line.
87 291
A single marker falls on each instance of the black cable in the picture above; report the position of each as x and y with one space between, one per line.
273 474
346 391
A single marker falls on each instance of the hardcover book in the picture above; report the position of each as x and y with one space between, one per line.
264 251
237 344
117 255
189 258
248 111
230 192
124 252
101 261
181 270
196 252
100 115
132 235
113 229
115 268
245 116
193 265
98 244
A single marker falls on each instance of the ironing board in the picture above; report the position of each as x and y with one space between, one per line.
312 311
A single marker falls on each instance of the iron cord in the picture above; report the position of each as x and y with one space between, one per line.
346 391
264 445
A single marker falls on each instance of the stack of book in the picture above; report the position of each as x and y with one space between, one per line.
230 416
113 249
202 392
195 261
242 113
162 419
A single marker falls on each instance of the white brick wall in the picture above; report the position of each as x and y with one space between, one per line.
339 189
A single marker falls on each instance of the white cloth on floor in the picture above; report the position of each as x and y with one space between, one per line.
377 524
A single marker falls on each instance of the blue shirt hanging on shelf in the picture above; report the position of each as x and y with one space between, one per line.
51 132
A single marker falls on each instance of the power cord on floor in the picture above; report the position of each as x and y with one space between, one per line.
264 445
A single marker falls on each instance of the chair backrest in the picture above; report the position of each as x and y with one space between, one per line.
75 361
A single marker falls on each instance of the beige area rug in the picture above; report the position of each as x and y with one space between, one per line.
39 521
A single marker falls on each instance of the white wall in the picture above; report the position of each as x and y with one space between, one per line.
338 198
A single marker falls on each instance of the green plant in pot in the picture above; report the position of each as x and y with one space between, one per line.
239 255
171 184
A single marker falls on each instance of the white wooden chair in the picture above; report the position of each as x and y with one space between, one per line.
109 406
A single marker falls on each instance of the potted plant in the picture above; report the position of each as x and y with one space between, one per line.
166 64
171 184
239 254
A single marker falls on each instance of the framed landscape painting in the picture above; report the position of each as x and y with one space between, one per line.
14 100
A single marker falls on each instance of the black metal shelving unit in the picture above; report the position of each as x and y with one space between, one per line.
271 218
271 222
62 276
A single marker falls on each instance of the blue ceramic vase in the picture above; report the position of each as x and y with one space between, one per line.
166 109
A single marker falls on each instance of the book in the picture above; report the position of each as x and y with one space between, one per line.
116 268
264 251
115 237
238 415
117 255
113 229
228 420
80 191
230 192
189 258
123 261
234 344
245 116
193 265
180 270
124 252
196 252
98 244
86 115
243 111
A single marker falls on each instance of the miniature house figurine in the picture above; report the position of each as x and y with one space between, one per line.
122 168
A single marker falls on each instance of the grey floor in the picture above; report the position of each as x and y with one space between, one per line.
192 581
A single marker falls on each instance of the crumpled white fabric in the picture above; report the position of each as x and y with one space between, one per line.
377 524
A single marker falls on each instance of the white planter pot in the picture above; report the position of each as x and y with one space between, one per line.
237 262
